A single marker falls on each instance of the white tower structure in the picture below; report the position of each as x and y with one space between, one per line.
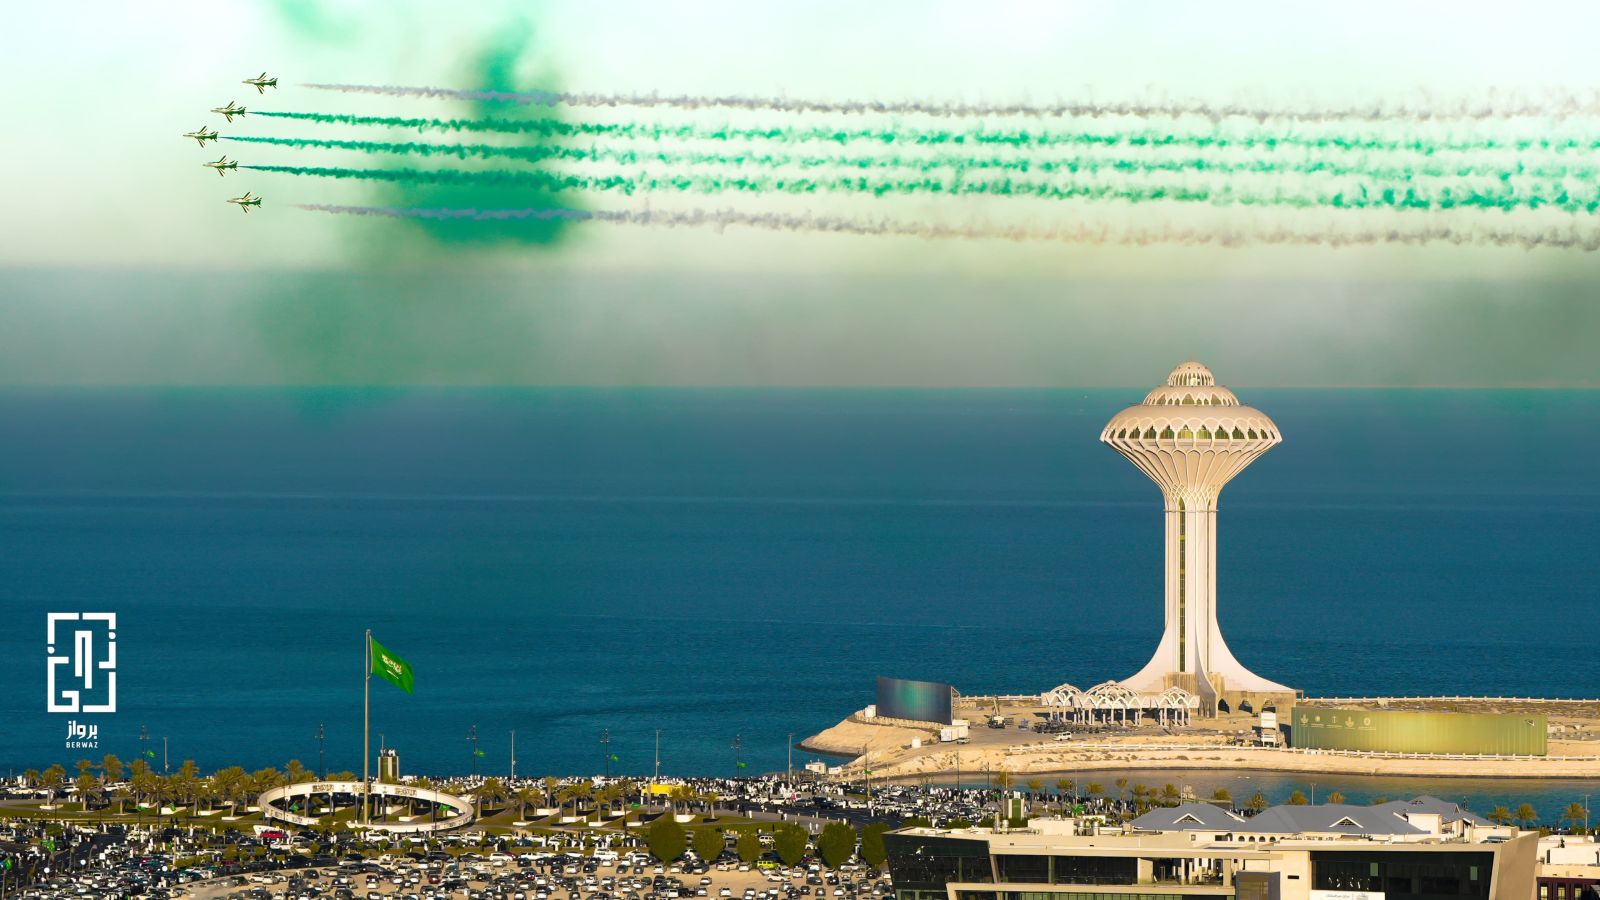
1191 437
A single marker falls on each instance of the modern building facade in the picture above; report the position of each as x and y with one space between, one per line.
1191 436
1569 868
1416 850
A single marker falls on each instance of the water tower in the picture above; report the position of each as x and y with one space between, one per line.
1191 436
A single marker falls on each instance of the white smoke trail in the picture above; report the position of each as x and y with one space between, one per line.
1551 104
1585 239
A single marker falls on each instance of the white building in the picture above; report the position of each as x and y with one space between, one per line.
1422 849
1191 436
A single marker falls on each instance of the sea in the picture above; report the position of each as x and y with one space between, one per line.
691 581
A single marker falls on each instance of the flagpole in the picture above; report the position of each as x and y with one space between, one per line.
366 729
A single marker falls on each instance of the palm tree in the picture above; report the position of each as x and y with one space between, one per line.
1095 789
1335 797
573 793
1003 780
1525 814
1298 798
1221 795
1500 815
295 773
490 792
111 772
232 785
52 780
524 796
1122 789
551 783
119 793
30 778
207 791
1577 815
1170 794
189 783
1258 802
681 793
144 782
83 786
1065 787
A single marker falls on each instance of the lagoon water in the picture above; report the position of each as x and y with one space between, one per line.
723 564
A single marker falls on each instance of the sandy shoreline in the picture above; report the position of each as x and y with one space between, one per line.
892 758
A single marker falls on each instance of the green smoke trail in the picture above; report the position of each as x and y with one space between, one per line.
1358 197
950 162
937 137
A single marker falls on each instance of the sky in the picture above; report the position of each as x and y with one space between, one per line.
121 265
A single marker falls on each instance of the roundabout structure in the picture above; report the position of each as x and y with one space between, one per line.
272 803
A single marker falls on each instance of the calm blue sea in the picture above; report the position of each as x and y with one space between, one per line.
722 564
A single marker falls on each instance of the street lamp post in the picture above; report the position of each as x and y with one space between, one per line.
658 757
472 735
605 749
322 757
791 757
513 755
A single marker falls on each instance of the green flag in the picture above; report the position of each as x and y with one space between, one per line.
478 753
392 668
741 763
150 753
616 758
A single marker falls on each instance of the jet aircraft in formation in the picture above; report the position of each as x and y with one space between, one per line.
202 135
223 164
262 82
246 201
229 111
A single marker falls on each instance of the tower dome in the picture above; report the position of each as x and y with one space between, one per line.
1191 373
1191 436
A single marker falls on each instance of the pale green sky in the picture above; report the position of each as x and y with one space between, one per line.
111 226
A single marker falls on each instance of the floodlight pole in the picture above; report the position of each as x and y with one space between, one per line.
366 729
513 755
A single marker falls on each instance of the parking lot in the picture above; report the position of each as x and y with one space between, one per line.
549 877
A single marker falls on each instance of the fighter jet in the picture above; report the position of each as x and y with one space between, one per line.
224 165
229 111
202 135
262 82
246 201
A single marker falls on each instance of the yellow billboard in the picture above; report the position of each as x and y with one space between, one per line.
1407 731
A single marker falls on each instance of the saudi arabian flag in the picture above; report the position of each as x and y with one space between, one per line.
392 668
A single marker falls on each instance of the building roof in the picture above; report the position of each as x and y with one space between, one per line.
1447 811
1189 817
1329 818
